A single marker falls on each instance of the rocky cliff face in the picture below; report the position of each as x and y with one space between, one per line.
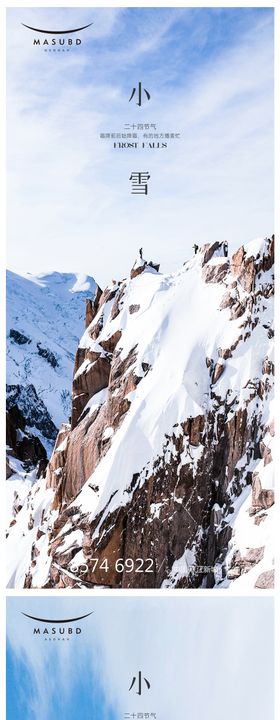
164 476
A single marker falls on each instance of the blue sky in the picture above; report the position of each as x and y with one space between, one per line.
197 653
84 700
210 75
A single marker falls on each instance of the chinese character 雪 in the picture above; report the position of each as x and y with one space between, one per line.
139 183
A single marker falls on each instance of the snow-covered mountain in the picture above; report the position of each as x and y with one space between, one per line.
45 318
164 476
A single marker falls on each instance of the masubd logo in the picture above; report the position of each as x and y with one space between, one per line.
53 40
56 629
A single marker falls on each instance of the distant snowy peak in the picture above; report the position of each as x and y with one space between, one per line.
45 318
62 282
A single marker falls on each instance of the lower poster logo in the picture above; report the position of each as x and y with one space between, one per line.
56 37
54 629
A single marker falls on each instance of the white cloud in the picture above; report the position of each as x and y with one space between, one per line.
70 206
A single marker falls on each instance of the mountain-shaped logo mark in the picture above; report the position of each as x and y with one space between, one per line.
60 622
56 32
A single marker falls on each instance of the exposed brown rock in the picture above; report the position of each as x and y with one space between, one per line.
94 379
89 312
96 300
58 458
218 371
237 310
268 260
28 580
265 581
246 268
107 295
118 300
243 564
253 556
227 301
135 271
261 499
265 453
85 444
41 468
208 251
215 273
268 367
110 344
234 573
193 428
225 353
40 534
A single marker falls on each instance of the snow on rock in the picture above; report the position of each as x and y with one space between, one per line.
170 442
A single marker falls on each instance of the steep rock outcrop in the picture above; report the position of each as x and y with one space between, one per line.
31 411
22 443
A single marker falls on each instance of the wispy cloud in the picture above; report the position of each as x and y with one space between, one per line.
211 78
